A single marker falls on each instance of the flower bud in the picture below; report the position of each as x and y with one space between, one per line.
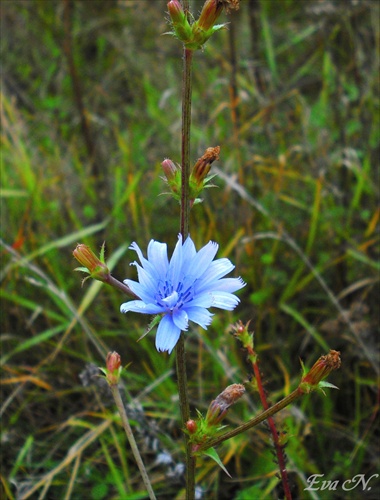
198 177
169 168
191 426
210 12
172 177
203 166
181 26
113 361
113 368
91 263
219 407
313 379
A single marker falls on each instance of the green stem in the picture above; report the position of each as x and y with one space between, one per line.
185 155
124 419
184 228
120 286
297 393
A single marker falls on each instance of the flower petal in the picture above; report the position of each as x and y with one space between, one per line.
148 266
224 300
175 265
158 257
167 334
202 260
181 319
188 249
199 315
140 291
140 307
228 285
146 279
215 271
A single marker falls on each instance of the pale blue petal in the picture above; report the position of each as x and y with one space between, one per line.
148 266
167 334
181 319
134 246
158 256
140 307
201 300
146 279
226 285
215 271
224 300
188 250
202 260
141 292
175 266
199 315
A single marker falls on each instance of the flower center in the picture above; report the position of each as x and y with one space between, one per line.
174 299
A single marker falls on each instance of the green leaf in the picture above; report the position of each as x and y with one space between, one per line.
151 325
323 383
213 454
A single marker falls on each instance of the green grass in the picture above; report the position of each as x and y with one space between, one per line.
296 209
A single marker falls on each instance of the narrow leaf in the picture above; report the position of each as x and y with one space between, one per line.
213 454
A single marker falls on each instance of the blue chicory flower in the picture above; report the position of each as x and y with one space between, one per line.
181 289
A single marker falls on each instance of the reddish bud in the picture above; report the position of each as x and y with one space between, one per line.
181 26
191 426
113 368
212 9
170 169
240 331
210 13
172 177
113 361
203 165
320 370
96 267
175 10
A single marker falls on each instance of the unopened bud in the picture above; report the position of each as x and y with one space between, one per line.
181 26
91 263
172 177
241 332
113 361
219 407
313 379
191 426
113 368
210 13
203 165
170 169
198 177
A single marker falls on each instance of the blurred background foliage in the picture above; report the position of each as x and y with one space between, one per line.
90 107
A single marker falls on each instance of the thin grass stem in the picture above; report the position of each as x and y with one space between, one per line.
128 431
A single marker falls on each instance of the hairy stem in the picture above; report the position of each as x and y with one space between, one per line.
131 439
184 228
275 435
185 154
